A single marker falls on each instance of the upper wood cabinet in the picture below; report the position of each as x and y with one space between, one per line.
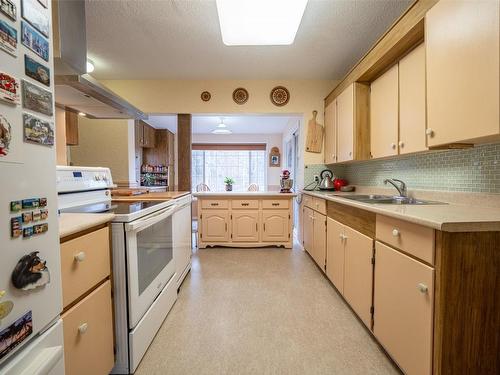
71 128
403 302
384 114
144 135
331 132
353 132
462 58
412 103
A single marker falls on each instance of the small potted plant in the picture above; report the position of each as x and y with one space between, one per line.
229 183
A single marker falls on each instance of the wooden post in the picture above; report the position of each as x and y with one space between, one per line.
184 151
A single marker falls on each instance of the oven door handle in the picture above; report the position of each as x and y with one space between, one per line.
150 219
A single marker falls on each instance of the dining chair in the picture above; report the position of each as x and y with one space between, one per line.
253 187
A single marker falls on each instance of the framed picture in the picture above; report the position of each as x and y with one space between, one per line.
37 71
275 157
9 88
36 15
36 98
8 38
34 41
8 8
37 131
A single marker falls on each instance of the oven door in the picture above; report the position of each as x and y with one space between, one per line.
150 262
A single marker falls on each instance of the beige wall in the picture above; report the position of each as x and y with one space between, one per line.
171 96
106 143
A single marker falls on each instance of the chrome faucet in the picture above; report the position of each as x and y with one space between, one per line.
401 189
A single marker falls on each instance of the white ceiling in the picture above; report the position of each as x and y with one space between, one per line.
248 124
180 39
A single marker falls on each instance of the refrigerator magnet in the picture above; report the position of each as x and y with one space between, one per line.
5 135
5 309
16 227
40 228
16 206
44 214
30 272
14 334
27 217
27 232
37 216
43 202
31 203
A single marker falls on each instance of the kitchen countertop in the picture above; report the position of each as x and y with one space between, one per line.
71 223
243 194
164 196
450 217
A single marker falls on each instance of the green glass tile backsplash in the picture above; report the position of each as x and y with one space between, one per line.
472 170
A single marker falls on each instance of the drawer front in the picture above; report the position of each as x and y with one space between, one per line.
275 204
319 205
245 204
88 334
307 201
214 203
413 239
84 263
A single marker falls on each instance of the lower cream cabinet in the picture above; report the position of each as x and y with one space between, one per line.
319 240
308 231
275 226
88 334
403 302
245 226
215 225
358 269
335 254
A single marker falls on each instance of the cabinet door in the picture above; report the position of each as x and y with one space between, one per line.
308 231
319 240
152 137
138 133
403 301
275 226
215 225
88 334
331 133
335 254
345 124
384 112
245 226
412 136
71 119
462 58
358 273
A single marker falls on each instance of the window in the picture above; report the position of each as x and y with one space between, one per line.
246 166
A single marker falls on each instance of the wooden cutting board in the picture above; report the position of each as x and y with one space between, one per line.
314 139
165 196
128 192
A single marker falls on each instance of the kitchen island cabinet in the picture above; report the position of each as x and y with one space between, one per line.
247 219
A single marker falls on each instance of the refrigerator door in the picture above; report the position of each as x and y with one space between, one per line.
27 172
43 356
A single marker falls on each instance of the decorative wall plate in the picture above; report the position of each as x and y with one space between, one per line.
240 95
205 96
280 96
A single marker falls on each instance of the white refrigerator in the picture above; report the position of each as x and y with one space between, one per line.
31 338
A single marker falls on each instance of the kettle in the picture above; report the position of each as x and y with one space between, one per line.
327 178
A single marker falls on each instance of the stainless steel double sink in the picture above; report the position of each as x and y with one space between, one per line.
385 199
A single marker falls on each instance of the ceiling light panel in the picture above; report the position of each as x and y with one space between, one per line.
259 22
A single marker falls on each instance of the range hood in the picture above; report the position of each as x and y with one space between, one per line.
74 89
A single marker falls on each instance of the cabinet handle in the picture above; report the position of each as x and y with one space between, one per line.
264 227
256 227
275 204
429 132
395 232
422 288
214 204
80 257
393 146
350 153
83 328
401 144
244 204
226 227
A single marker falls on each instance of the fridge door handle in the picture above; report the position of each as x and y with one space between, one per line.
44 362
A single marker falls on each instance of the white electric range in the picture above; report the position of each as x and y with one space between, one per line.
148 239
